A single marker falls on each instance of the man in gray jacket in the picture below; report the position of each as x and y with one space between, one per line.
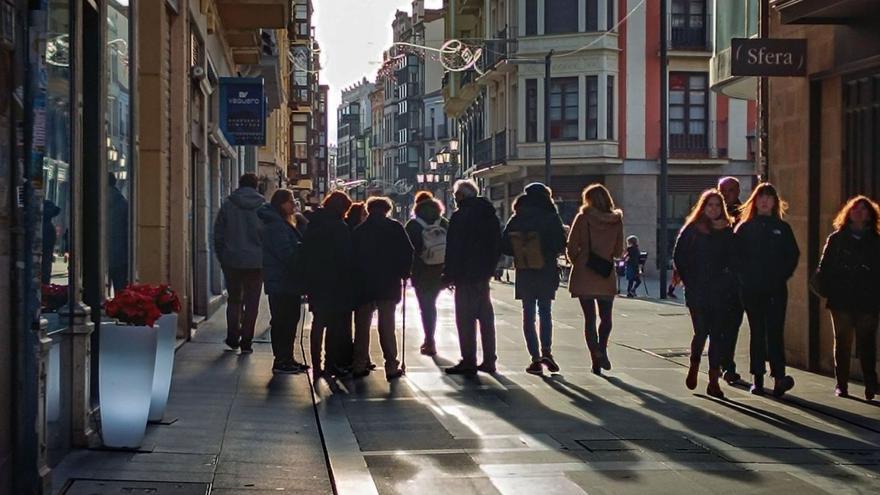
240 251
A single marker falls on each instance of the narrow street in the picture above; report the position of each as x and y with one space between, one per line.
636 429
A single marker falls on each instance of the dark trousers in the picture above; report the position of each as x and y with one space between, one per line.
864 327
632 284
709 323
285 309
243 287
731 335
472 305
546 325
597 337
333 328
428 307
363 319
766 314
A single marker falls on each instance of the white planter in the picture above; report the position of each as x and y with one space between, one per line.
167 336
126 361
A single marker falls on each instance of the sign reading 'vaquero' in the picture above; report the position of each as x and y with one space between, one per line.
768 57
243 110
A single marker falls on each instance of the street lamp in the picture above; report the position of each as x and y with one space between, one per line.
453 145
547 83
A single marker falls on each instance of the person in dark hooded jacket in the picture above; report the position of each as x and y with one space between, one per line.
535 237
328 267
50 237
384 256
473 246
428 213
281 252
239 249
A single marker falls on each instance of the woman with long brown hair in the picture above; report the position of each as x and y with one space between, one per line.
766 255
848 275
702 257
596 238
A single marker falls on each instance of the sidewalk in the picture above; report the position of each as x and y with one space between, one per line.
238 429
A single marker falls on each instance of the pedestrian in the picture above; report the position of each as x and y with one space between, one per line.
632 268
300 221
766 255
384 258
848 273
428 231
328 266
535 238
355 215
50 238
730 189
282 277
473 246
703 256
596 238
238 246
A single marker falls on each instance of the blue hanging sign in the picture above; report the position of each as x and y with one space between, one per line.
243 110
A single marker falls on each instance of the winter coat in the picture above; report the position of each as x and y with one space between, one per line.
237 230
473 243
384 257
703 261
328 263
424 277
850 270
601 233
765 255
537 283
281 250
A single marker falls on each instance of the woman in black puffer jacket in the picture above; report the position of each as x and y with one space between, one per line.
766 255
702 255
848 274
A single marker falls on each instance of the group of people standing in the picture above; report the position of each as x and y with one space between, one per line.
351 260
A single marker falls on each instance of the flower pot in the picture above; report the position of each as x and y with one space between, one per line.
126 361
167 336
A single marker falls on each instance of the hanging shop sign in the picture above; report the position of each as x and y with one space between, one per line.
243 110
764 57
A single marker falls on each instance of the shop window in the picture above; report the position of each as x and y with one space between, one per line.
558 18
688 113
861 151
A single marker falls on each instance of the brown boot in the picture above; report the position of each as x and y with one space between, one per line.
714 388
693 371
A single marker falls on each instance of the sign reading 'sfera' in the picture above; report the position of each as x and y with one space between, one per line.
764 57
243 111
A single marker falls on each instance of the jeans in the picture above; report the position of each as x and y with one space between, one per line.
243 304
363 318
597 338
285 309
731 335
632 284
473 304
543 306
334 328
428 308
864 326
766 314
708 324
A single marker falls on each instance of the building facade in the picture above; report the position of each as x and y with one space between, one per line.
354 117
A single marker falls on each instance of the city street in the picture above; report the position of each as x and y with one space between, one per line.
636 429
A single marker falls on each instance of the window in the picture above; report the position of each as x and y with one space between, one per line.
688 112
610 14
609 98
531 110
861 98
564 108
558 18
591 11
688 24
531 17
592 107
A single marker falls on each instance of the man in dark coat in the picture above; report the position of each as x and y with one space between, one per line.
383 254
473 246
730 189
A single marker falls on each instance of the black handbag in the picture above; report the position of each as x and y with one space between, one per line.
597 263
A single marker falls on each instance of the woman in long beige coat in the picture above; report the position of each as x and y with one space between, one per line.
597 231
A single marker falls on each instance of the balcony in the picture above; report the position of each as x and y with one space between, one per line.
688 32
483 153
691 146
500 147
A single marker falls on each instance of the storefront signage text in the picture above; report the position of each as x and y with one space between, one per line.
243 111
768 57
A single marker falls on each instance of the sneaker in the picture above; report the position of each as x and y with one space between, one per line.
757 387
841 392
231 343
247 348
535 368
288 368
394 375
487 368
782 386
461 369
630 295
550 363
732 377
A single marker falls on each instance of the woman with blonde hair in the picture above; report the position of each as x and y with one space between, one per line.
766 255
596 238
702 258
848 273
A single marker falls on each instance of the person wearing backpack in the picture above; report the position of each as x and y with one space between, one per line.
535 237
281 255
427 232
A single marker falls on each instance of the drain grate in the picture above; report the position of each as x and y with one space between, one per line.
132 487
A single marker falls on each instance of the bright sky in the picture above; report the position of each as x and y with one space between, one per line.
353 34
